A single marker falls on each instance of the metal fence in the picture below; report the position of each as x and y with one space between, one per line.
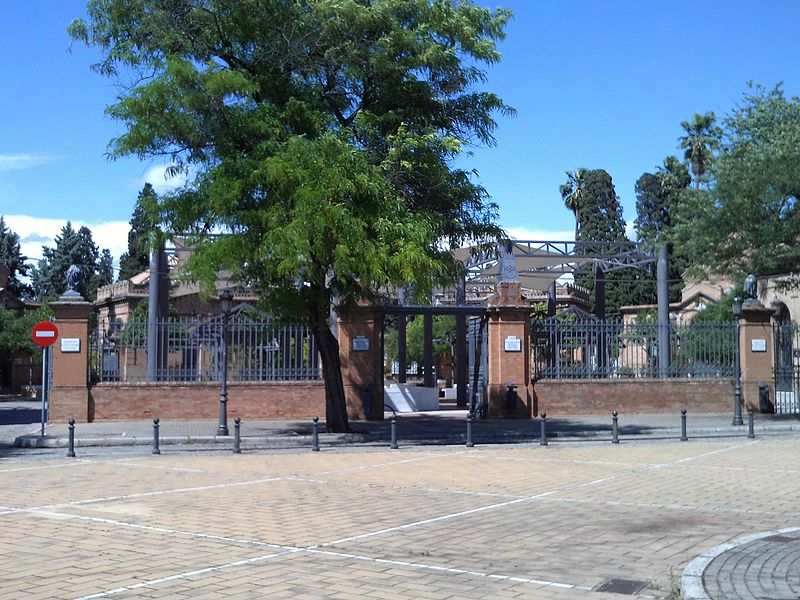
787 368
259 349
587 349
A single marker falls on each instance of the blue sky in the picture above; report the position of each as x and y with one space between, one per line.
597 84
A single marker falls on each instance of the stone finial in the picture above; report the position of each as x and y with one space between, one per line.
508 264
73 277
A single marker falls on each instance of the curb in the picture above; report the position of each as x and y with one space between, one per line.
692 579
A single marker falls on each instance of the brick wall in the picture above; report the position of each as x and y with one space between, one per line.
250 401
584 397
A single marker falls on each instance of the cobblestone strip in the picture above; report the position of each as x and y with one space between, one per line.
692 580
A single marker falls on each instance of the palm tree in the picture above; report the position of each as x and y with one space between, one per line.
702 137
572 194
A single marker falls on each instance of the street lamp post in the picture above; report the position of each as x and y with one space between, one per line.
737 391
225 299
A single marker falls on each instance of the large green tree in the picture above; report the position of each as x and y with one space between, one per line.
749 220
13 259
137 258
321 135
15 336
591 195
72 247
658 196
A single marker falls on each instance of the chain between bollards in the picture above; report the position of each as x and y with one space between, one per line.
684 437
543 430
71 439
614 427
470 419
393 445
750 430
237 436
156 449
315 435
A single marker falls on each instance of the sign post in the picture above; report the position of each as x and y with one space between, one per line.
44 334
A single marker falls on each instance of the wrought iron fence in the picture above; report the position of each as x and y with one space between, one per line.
586 349
787 368
259 349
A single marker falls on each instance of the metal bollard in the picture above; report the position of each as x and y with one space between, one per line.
684 437
750 431
71 439
543 430
614 427
393 445
156 449
237 436
315 435
470 418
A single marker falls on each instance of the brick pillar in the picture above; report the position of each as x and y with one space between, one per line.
69 396
756 352
509 352
361 355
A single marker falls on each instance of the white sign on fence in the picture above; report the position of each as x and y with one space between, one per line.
70 344
757 345
513 344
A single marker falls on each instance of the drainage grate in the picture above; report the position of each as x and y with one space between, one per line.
621 586
783 539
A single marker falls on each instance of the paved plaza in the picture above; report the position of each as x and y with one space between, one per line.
572 520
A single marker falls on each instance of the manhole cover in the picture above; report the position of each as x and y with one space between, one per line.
621 586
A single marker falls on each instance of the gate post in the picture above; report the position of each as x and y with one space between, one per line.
756 351
69 395
361 355
509 353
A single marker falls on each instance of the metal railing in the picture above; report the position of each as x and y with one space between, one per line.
787 368
587 349
259 349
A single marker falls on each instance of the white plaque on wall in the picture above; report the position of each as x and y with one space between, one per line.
757 345
70 344
360 343
513 344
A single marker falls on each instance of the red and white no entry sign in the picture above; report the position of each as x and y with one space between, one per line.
45 333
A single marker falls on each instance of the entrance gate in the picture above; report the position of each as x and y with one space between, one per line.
787 367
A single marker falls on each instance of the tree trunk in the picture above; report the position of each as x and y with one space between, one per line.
335 403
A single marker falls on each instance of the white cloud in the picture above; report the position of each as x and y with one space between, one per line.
158 177
35 232
18 162
521 233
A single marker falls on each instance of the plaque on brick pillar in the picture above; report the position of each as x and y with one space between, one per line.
69 395
756 346
359 329
509 353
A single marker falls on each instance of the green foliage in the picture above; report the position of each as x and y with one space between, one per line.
658 196
590 194
700 140
444 331
11 257
16 332
322 136
137 258
72 248
749 221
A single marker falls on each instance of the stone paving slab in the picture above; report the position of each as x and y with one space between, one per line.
491 522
